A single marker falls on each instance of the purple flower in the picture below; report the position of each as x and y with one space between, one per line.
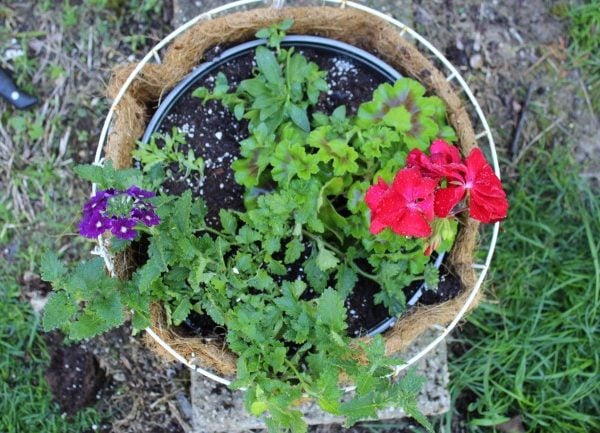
146 215
94 224
123 228
139 193
109 210
98 201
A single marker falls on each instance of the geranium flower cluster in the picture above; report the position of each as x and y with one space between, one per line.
119 212
433 186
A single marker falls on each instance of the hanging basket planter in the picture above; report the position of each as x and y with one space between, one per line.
153 96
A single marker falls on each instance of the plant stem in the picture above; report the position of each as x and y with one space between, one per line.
342 255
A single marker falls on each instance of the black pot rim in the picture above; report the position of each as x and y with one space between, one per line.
303 41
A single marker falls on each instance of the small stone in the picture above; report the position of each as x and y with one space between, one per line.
119 376
476 61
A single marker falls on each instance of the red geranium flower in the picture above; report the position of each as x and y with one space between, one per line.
406 206
487 202
444 161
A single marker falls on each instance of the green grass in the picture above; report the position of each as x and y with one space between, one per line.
583 50
530 347
40 199
26 404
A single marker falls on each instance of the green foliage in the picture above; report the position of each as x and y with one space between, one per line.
164 149
107 176
332 153
404 108
275 33
87 283
284 87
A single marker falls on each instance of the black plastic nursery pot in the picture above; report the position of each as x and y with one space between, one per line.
214 134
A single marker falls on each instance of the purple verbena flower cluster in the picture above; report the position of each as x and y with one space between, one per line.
119 212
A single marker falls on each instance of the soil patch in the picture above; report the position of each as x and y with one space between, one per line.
74 375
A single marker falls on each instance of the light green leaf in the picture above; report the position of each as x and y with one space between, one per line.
331 311
326 259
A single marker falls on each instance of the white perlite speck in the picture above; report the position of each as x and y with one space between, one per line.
344 66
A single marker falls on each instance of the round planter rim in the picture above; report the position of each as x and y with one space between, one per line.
453 74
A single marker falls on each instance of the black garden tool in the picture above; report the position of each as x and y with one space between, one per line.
10 92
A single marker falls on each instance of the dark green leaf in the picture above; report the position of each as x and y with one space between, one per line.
51 268
58 311
182 311
299 117
268 65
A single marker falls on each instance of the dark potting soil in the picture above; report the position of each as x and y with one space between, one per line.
213 133
74 375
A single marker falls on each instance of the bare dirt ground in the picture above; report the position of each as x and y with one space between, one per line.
504 49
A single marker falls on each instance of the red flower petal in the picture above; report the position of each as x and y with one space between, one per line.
412 223
487 198
376 226
444 161
447 198
442 151
410 183
406 206
375 193
488 209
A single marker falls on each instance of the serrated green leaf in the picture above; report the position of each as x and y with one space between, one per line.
326 259
331 311
51 268
197 271
140 320
183 207
228 221
346 279
182 311
271 244
293 250
92 173
263 33
150 272
315 276
58 311
200 92
87 325
107 177
329 391
109 309
286 24
360 408
398 118
258 407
